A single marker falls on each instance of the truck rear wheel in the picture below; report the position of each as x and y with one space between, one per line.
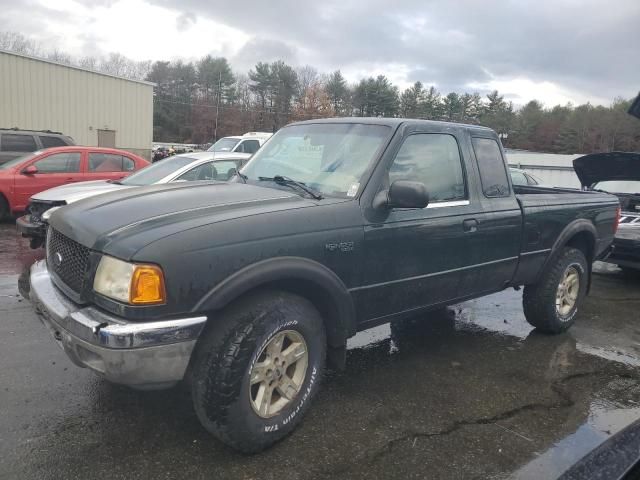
552 304
257 369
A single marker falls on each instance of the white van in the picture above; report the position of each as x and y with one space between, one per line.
250 142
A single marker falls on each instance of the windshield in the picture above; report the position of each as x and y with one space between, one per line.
619 186
225 144
157 171
330 158
18 160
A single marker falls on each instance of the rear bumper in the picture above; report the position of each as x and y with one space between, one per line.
626 252
142 355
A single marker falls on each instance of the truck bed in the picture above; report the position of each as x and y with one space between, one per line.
547 211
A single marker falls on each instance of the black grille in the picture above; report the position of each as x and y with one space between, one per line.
67 259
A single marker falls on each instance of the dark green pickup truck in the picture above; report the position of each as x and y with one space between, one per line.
246 289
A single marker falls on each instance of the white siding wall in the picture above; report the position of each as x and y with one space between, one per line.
553 169
40 95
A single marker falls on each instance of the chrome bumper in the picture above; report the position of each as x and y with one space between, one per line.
142 355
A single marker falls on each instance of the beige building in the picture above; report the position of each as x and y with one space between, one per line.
94 108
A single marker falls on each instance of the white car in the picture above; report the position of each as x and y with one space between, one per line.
179 168
248 143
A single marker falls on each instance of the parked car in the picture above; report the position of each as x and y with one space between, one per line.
617 173
159 153
520 177
179 168
248 143
246 288
25 176
15 142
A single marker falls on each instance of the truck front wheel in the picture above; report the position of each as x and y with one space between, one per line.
257 369
552 304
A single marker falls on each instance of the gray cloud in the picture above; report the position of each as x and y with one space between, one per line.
588 47
263 50
185 20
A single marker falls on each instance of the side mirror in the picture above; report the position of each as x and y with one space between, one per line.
30 170
403 194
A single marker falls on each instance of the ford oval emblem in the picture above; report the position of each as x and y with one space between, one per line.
57 259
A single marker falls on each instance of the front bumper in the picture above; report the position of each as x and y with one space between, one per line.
139 354
29 227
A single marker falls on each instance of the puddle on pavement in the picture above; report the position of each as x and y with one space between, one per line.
610 411
15 253
605 419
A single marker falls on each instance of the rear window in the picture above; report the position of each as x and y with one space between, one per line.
108 162
157 171
493 173
12 142
249 146
49 142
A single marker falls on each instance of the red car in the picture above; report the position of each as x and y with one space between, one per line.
32 173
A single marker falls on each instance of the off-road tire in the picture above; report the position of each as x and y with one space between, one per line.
539 300
225 354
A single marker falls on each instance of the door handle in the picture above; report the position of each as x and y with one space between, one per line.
470 225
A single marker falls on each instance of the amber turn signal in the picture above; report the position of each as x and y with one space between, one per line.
147 285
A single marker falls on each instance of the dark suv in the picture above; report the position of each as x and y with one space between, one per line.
15 142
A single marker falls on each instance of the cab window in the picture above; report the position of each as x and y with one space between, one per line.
493 173
433 159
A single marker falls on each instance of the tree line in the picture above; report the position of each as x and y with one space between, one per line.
199 101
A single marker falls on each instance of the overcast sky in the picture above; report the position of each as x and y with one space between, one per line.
553 50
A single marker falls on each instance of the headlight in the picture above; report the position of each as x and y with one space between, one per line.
47 213
132 283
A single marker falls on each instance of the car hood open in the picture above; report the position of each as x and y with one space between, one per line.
600 167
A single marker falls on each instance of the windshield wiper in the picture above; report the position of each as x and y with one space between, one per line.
116 182
282 180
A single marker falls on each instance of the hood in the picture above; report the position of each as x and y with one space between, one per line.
123 222
600 167
72 192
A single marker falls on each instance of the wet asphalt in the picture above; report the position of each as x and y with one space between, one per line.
473 393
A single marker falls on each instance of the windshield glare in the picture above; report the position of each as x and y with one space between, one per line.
157 171
619 186
18 160
225 144
330 158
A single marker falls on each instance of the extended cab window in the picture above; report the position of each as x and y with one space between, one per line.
493 173
59 163
433 159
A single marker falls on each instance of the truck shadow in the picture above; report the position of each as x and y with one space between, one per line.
411 383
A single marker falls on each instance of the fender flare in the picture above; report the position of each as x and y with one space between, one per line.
574 228
340 324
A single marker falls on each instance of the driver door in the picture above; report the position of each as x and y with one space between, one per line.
415 257
53 170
